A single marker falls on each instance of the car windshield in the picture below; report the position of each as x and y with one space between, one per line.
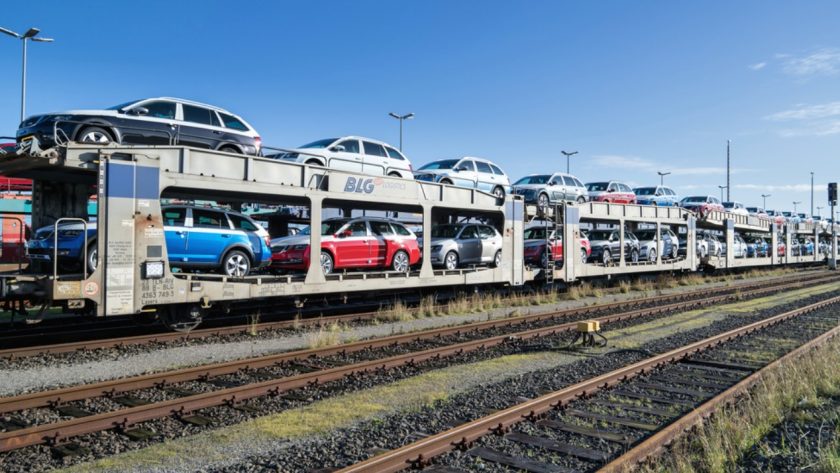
541 179
699 198
597 186
320 144
645 191
600 235
536 233
445 231
330 227
443 164
787 214
752 210
647 235
122 105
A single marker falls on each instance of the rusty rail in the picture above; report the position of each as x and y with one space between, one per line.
24 352
420 452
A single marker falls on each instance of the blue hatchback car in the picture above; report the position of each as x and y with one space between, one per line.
659 195
196 238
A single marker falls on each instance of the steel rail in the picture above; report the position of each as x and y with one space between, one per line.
23 352
419 453
657 442
114 387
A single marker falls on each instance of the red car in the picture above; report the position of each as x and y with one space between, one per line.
781 249
702 204
611 192
350 243
535 244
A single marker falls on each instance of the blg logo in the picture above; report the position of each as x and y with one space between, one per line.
361 185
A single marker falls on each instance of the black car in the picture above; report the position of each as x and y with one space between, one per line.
154 121
606 246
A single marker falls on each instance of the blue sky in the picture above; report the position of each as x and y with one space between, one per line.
635 87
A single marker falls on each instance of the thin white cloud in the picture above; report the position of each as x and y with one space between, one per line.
619 161
775 188
637 163
758 66
807 112
824 61
820 128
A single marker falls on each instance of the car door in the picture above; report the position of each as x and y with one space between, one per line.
469 245
464 173
612 192
176 233
627 195
381 232
556 188
615 245
353 245
396 162
485 179
209 236
157 126
199 127
489 243
347 159
374 160
569 189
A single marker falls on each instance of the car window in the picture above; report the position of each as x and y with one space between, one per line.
483 167
242 223
350 146
174 217
200 115
209 219
612 188
160 109
625 188
374 149
232 122
486 232
577 182
358 228
401 230
568 181
468 164
496 170
394 154
381 228
469 232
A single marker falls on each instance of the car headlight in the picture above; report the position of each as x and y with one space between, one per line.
279 248
298 247
61 118
437 247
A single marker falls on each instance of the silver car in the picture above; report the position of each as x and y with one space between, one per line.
459 244
546 189
668 248
469 172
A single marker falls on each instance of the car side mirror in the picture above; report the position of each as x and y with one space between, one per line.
338 148
139 111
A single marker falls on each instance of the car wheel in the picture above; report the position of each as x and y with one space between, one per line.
606 257
92 256
450 261
634 256
674 252
652 255
497 260
314 162
718 252
583 255
446 181
236 264
542 200
581 200
230 149
399 262
499 192
544 259
95 134
326 263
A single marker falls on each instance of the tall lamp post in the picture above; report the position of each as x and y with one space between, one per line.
727 171
764 200
721 191
795 203
662 177
30 34
568 154
812 193
401 118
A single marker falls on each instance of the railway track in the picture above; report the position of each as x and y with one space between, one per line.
25 348
592 425
138 398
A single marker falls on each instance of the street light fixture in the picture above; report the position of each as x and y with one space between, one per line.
819 210
662 177
721 191
795 203
764 200
30 35
401 118
568 155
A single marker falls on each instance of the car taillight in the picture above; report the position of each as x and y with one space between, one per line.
258 142
267 240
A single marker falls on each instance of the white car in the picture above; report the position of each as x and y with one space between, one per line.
739 247
736 208
474 173
708 245
352 154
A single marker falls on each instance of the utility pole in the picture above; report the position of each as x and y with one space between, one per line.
727 170
812 194
568 155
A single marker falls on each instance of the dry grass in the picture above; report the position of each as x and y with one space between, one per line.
721 442
325 336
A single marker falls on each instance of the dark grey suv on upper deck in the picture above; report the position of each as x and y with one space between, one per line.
154 121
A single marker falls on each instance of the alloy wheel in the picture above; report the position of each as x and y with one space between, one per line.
451 260
400 263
